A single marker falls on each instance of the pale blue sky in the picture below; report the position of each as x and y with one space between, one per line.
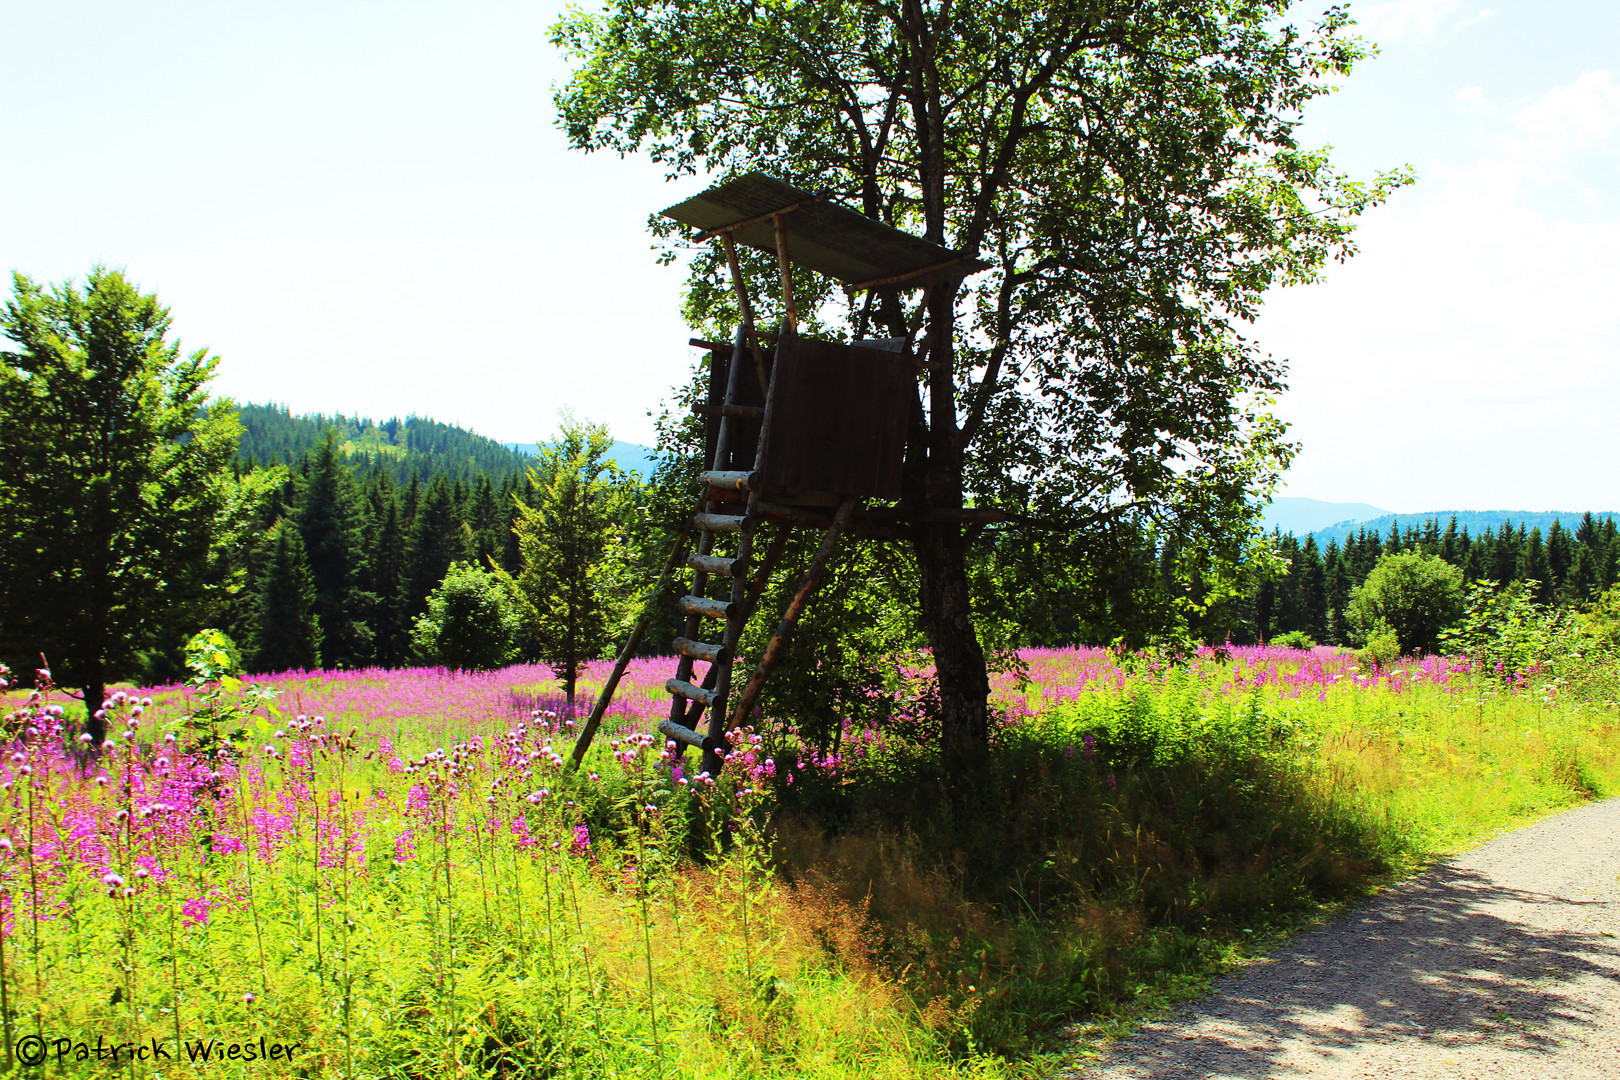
366 207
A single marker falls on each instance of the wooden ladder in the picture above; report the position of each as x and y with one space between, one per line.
719 524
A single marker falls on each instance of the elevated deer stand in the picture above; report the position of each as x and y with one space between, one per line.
799 434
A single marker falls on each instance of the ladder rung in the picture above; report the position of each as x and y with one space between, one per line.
688 737
726 523
736 412
682 688
699 650
746 480
712 564
699 605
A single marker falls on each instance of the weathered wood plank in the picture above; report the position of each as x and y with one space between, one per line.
736 412
702 605
712 564
839 419
682 688
687 737
725 523
729 480
699 650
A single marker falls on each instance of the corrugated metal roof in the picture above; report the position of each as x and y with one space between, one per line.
821 235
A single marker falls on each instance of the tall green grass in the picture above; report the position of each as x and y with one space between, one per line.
867 919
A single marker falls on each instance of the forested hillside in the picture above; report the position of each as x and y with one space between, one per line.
1477 522
1571 567
415 446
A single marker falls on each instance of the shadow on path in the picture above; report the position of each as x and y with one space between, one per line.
1448 958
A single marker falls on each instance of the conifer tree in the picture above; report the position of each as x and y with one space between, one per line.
1336 574
1312 590
1533 566
331 521
115 482
436 540
1505 555
387 577
1372 549
288 634
485 523
410 503
1560 557
570 540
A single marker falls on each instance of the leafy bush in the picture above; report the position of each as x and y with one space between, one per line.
1294 639
1601 623
472 622
1382 649
1504 632
1417 596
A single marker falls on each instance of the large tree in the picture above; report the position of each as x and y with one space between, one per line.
1128 167
115 480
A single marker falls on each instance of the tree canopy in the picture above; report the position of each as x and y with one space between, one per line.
571 539
1128 167
115 480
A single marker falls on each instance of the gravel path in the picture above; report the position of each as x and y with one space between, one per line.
1501 963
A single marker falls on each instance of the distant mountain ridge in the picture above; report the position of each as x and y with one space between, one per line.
630 457
1300 516
1475 521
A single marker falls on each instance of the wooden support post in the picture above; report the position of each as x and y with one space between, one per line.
777 648
588 732
790 322
745 331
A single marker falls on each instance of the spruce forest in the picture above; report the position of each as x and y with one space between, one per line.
393 505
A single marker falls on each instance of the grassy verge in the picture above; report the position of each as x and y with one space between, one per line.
426 901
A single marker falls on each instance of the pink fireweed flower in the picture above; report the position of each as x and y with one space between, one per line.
195 911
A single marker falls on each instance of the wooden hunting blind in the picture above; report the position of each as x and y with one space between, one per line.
799 433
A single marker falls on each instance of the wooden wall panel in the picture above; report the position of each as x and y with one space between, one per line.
838 421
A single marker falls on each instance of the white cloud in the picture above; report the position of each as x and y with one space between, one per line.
1470 355
1580 116
1472 100
1397 19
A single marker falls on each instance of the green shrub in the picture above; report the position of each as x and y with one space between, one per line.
1382 649
472 622
1294 639
1416 596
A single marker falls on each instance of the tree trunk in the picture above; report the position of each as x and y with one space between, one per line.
947 610
964 682
95 693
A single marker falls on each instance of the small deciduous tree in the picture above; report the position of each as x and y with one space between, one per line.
472 622
572 539
1417 596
